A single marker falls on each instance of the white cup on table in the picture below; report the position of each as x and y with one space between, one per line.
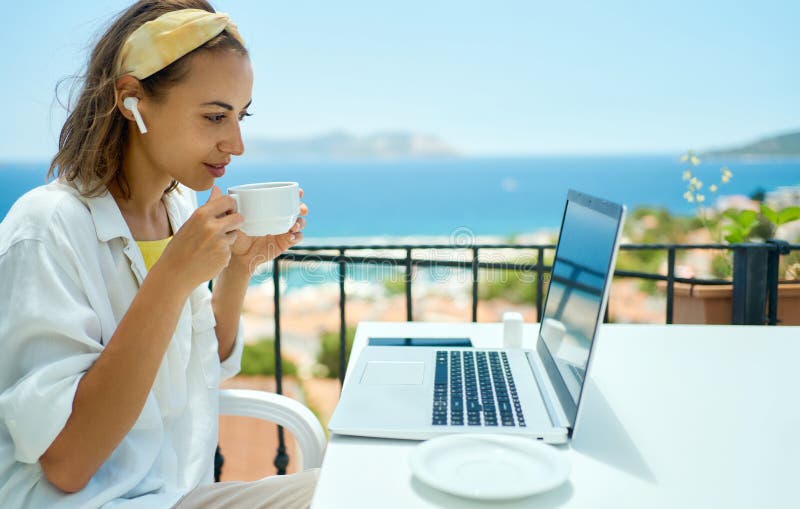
269 208
512 329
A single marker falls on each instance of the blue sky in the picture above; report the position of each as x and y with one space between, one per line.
489 78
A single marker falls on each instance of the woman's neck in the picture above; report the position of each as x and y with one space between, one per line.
142 208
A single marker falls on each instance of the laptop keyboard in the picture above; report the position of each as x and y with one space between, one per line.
475 388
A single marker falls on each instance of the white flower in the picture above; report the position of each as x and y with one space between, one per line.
726 174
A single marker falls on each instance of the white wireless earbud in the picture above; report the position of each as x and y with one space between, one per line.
132 103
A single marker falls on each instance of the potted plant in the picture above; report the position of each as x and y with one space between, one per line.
745 222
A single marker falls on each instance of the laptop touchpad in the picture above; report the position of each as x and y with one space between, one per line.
393 373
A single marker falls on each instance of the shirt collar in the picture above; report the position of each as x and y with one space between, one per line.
110 224
108 220
179 205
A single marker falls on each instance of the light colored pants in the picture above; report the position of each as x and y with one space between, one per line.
274 492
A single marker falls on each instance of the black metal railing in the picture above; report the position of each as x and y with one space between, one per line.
755 281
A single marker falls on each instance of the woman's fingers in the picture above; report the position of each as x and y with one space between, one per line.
298 225
230 222
288 239
232 236
216 192
221 205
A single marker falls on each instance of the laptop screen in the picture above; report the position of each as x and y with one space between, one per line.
577 292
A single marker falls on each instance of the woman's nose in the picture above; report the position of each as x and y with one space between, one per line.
233 143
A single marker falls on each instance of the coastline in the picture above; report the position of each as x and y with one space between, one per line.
457 247
443 294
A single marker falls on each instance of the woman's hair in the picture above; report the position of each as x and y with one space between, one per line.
92 141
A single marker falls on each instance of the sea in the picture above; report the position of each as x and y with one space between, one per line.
378 201
486 196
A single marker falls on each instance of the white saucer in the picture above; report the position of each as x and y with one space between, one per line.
490 467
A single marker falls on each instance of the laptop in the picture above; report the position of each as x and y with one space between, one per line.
418 393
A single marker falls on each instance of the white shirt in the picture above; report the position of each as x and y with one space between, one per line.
69 269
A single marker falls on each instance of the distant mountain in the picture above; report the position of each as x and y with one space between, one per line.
341 145
782 145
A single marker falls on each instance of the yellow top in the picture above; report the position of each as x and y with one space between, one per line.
152 249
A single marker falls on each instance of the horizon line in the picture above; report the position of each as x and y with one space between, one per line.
474 156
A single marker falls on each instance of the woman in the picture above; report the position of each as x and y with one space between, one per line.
112 345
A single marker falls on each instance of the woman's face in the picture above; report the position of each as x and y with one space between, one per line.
193 130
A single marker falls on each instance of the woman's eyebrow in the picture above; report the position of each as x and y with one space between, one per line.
226 105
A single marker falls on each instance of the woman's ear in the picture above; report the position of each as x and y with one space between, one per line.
127 86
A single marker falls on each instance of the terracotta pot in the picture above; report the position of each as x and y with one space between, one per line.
712 304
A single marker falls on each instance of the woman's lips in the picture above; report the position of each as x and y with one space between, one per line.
217 170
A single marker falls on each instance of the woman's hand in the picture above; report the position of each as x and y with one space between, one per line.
250 252
201 248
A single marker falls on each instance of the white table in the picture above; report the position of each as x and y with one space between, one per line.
673 416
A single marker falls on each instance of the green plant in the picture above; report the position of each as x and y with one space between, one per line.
721 266
741 224
745 225
695 194
518 287
652 225
328 355
259 359
734 226
792 269
394 286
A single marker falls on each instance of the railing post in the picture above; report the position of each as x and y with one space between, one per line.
749 284
219 459
409 266
670 284
779 247
474 284
281 459
539 282
342 322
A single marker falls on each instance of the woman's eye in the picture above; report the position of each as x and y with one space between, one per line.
241 117
216 118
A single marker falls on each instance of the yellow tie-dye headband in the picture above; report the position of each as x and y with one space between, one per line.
162 41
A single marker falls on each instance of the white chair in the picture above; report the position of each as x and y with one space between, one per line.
286 412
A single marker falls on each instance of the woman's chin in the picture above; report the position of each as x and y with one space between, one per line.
199 185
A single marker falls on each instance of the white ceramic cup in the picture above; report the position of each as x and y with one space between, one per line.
269 208
512 329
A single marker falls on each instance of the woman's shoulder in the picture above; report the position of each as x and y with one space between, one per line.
40 211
